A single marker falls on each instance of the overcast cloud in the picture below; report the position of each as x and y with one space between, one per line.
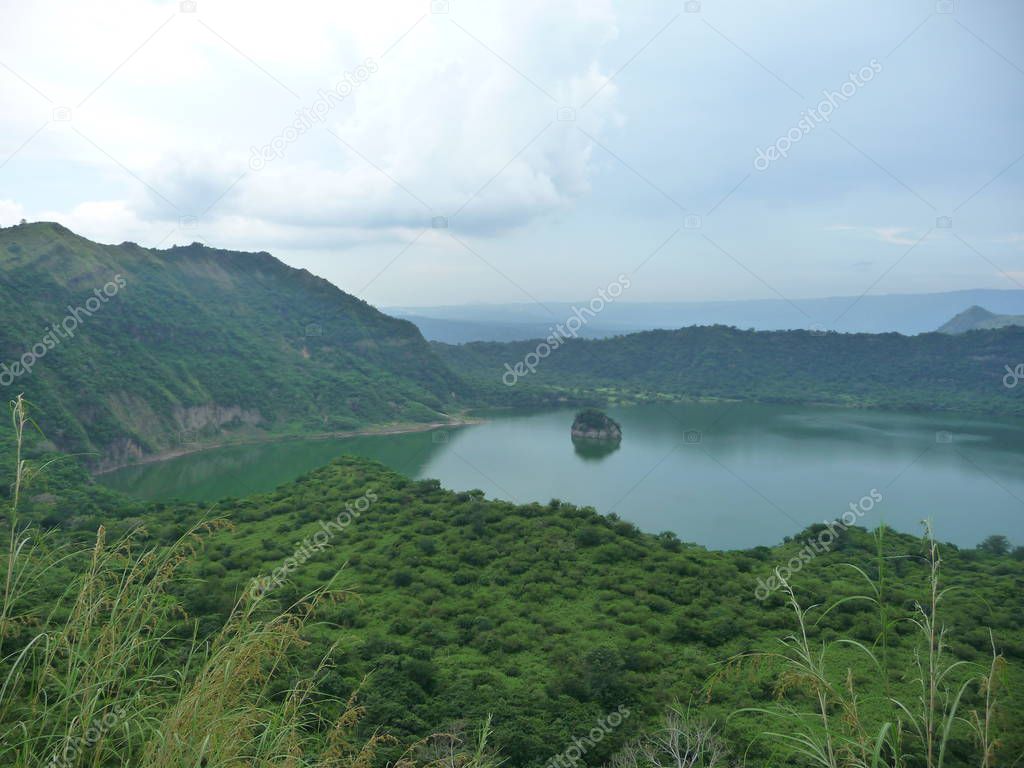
565 143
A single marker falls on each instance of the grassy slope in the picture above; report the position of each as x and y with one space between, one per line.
925 372
549 616
200 341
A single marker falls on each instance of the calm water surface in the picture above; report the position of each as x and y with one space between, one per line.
726 476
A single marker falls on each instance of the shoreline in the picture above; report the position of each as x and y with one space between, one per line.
395 429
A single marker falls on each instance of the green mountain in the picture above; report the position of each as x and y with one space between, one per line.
127 351
979 319
926 372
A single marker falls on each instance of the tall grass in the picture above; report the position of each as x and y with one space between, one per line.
112 674
844 728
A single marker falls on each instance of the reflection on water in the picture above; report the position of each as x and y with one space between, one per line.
593 450
756 474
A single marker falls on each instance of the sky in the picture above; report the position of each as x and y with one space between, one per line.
424 152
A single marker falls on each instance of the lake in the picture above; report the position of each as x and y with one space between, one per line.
723 475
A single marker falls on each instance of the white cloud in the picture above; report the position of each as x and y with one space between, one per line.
894 235
10 213
443 127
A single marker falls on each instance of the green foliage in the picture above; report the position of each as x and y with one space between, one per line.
592 418
197 345
548 616
930 371
101 666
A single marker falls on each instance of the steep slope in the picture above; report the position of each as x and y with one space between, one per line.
930 371
127 351
979 319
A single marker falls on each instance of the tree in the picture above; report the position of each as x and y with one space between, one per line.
995 545
682 741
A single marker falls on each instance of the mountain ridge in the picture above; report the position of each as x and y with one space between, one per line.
196 343
977 318
908 314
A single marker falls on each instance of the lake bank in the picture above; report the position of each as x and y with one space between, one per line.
396 429
725 476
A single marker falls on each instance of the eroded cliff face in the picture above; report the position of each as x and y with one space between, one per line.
189 427
214 416
119 453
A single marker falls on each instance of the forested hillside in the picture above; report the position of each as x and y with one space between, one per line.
550 616
126 351
927 372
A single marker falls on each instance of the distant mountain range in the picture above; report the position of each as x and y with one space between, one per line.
979 319
908 314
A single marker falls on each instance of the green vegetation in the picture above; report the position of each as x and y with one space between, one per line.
136 351
927 372
177 635
592 424
102 667
548 617
192 344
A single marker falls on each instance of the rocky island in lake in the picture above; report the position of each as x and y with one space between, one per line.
592 424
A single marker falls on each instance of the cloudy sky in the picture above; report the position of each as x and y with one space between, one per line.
419 153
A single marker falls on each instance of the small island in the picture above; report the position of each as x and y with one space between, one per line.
592 424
